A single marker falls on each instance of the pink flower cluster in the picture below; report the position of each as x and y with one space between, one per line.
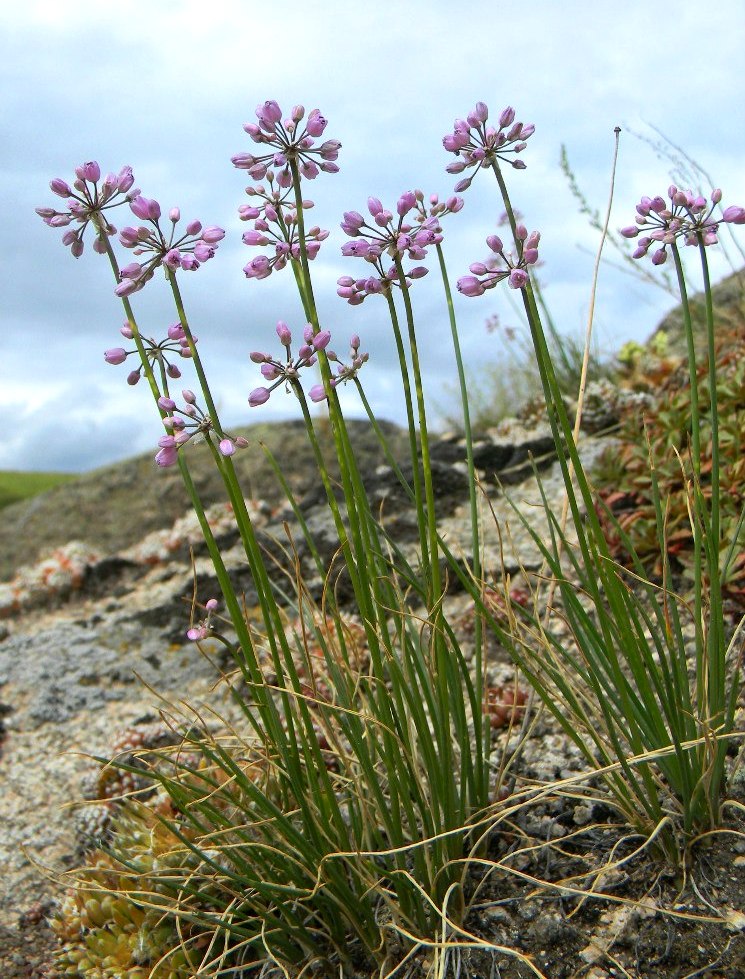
344 372
288 370
485 275
288 141
201 630
275 223
86 202
157 352
183 424
688 216
478 145
187 251
405 236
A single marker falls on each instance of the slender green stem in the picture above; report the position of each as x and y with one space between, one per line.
483 738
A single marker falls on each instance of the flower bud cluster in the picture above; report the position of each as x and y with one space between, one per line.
478 145
405 235
344 372
183 424
289 140
157 352
287 371
201 630
187 251
275 223
87 200
485 275
689 216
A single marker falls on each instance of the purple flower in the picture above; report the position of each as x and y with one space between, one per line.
499 266
117 355
286 140
481 146
258 396
687 215
87 200
167 456
407 236
182 424
275 224
287 370
186 251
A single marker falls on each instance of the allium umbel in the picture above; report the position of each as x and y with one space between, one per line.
288 140
275 223
287 371
159 353
182 424
185 251
408 235
485 275
688 216
478 145
87 200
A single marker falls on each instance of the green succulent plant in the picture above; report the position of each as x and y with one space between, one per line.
109 925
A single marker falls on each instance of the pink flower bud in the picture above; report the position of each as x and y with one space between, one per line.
89 171
227 449
125 180
469 285
317 393
270 371
517 278
212 605
60 188
167 456
734 214
269 111
167 404
241 442
507 117
145 209
174 215
405 203
213 234
321 340
495 243
117 355
203 252
356 249
126 287
284 334
258 396
316 123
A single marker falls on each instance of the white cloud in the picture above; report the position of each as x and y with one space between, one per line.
166 87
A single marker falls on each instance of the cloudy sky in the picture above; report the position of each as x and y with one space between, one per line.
165 86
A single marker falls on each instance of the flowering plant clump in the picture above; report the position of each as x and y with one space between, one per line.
337 822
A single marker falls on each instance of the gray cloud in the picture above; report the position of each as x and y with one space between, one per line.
170 100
